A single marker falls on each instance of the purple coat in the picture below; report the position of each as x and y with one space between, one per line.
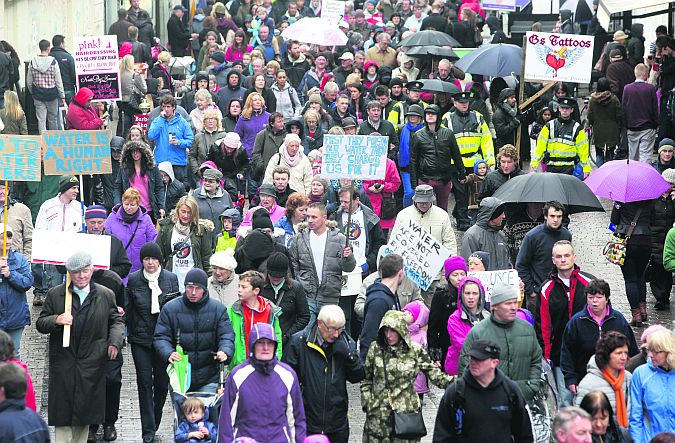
459 326
115 226
263 399
248 128
418 334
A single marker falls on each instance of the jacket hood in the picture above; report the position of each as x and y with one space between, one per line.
260 331
602 98
300 124
394 320
637 30
489 207
368 64
592 367
167 168
505 93
565 14
301 58
238 74
234 215
145 150
481 300
41 63
420 315
476 164
83 95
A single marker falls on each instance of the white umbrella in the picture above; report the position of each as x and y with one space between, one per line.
315 30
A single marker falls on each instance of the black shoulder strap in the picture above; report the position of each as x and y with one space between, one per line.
138 223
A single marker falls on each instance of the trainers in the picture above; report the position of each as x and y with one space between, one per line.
37 300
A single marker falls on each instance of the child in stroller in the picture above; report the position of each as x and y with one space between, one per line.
195 427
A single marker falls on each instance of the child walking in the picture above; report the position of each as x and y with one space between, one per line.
417 318
474 182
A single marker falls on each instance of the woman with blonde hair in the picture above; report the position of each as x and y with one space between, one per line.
253 119
161 70
12 115
130 83
185 240
204 103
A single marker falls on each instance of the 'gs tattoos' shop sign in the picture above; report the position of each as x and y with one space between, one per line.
558 57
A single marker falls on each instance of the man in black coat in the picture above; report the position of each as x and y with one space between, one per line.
179 35
120 28
66 65
324 359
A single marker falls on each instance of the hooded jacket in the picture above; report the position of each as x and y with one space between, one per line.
505 124
323 374
262 399
201 328
595 381
81 116
227 239
185 428
287 101
334 263
159 131
606 117
20 424
520 357
381 395
266 146
66 68
156 188
379 300
295 69
14 313
211 207
52 86
636 45
237 318
651 392
484 237
228 92
460 323
174 190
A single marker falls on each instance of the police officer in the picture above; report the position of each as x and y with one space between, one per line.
474 140
562 143
398 113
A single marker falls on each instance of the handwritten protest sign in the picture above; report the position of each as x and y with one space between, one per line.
77 152
332 11
423 255
490 278
354 156
97 66
55 247
20 157
558 57
351 282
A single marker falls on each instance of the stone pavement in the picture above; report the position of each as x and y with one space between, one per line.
590 234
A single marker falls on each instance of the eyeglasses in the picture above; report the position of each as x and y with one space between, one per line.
332 330
653 351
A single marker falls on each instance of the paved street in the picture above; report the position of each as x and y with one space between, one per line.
590 234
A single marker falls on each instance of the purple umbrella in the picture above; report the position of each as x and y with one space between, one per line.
627 181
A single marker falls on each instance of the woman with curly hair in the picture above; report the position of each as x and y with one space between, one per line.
296 209
253 119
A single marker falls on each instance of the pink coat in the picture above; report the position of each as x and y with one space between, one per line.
391 182
459 326
419 335
30 392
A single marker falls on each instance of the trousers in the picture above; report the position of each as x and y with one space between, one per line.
153 385
47 114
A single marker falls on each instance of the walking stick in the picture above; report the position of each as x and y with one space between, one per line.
349 221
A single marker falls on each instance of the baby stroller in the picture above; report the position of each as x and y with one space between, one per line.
212 402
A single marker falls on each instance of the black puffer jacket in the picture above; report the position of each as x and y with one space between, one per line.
202 328
294 310
140 322
494 180
431 153
624 213
664 217
323 377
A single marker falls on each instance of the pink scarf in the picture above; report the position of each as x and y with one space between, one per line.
291 161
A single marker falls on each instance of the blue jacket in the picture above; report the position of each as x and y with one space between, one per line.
20 424
185 427
159 131
651 393
202 329
379 300
14 311
287 226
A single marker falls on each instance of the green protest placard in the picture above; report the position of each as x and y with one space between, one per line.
20 157
77 152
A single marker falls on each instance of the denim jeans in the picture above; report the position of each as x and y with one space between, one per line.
408 189
45 277
153 385
209 387
314 308
16 338
565 396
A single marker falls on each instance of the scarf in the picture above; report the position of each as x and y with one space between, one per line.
315 198
182 229
616 382
130 218
404 146
291 161
511 110
155 290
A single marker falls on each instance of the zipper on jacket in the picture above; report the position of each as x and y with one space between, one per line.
318 348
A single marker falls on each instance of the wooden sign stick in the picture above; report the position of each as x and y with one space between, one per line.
68 310
4 221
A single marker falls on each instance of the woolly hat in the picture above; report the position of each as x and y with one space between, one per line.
277 265
323 181
483 256
95 211
78 261
218 56
68 181
669 176
231 140
502 293
314 98
224 259
413 308
454 263
197 277
152 250
477 163
666 143
261 220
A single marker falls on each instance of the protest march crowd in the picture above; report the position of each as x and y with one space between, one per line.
277 222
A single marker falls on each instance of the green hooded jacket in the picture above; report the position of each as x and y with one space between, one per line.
237 319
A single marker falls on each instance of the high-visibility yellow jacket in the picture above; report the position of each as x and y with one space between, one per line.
473 136
397 113
561 144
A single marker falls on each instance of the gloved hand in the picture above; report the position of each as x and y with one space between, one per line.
341 347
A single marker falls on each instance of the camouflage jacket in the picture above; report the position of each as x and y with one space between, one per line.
404 361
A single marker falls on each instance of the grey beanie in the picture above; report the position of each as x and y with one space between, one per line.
78 261
502 293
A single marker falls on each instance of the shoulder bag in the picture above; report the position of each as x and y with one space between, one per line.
615 249
407 425
388 209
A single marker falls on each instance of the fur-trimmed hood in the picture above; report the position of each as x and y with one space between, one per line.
143 147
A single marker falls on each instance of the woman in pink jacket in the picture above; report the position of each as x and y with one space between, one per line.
376 189
470 311
81 114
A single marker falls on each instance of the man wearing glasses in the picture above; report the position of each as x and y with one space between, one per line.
324 359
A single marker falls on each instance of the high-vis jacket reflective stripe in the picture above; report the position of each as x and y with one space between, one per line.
563 149
474 142
397 113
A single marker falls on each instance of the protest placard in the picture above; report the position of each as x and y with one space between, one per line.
55 247
351 282
20 157
77 152
354 156
490 278
423 255
332 11
97 66
142 121
558 57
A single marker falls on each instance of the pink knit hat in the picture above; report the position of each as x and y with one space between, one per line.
454 263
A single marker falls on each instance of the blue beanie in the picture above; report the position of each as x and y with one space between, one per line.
476 163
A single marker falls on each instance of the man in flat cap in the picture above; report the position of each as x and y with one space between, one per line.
77 382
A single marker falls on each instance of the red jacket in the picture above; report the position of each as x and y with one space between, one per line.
30 392
81 115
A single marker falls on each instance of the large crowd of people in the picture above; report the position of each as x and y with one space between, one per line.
228 246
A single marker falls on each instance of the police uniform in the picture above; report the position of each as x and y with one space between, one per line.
398 112
562 144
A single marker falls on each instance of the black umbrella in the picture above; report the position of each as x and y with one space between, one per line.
425 51
429 38
436 85
547 186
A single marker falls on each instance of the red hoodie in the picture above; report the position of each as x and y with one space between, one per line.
251 316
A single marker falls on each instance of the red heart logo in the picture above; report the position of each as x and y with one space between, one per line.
555 63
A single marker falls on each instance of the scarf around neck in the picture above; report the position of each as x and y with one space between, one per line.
182 229
130 218
616 382
155 290
404 146
291 161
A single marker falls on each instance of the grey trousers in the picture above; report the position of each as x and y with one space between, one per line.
47 114
641 145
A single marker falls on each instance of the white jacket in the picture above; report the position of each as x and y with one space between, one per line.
301 174
55 216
